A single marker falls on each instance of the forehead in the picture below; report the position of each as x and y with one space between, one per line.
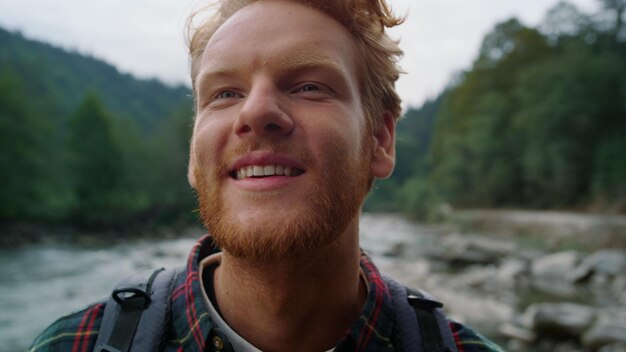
287 32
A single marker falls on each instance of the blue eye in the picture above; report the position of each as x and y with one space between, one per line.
227 94
309 88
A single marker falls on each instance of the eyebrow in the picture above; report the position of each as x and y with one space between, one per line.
289 63
300 61
205 76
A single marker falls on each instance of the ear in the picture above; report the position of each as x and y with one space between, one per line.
384 148
191 167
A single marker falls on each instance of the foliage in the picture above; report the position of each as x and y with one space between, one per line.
85 145
22 162
94 169
61 78
538 121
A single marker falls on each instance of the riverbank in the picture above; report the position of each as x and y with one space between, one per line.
525 298
16 234
550 290
550 229
516 291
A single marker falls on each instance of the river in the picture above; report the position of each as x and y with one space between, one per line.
521 292
39 283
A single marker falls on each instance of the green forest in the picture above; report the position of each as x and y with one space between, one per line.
86 146
537 121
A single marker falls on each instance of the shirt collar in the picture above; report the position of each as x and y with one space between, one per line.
372 331
190 316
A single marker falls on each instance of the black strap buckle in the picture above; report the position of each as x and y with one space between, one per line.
423 303
131 298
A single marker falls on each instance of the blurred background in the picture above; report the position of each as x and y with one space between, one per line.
508 201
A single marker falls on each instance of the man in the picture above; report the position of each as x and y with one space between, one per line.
295 117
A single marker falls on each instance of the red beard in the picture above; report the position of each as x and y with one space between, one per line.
287 234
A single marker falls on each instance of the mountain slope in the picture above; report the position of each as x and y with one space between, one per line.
59 80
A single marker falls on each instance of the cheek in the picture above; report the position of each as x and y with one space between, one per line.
353 132
343 140
209 140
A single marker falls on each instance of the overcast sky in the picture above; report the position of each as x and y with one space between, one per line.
145 37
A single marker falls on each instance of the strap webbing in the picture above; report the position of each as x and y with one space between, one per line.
419 324
133 301
125 327
136 314
429 327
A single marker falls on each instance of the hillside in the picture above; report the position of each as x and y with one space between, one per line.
59 79
85 145
538 121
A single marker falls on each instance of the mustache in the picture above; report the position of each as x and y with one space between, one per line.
251 146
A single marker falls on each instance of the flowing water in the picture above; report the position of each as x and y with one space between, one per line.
40 283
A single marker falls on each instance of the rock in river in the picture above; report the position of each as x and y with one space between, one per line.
557 266
611 262
560 320
608 329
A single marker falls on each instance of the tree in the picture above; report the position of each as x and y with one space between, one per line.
570 105
564 20
474 150
616 8
171 195
24 150
95 164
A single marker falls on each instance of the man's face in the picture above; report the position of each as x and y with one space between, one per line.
281 155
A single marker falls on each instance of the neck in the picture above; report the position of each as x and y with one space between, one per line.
300 304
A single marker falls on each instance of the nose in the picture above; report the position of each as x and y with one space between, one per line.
261 115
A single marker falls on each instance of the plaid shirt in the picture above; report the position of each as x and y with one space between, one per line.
193 330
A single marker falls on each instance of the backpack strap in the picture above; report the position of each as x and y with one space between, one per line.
137 313
419 323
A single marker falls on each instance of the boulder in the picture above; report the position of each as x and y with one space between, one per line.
516 332
614 347
560 320
560 290
556 266
552 273
473 250
510 271
608 329
618 289
610 262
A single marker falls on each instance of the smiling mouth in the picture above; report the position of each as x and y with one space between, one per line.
258 171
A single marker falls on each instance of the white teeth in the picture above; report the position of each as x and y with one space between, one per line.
266 170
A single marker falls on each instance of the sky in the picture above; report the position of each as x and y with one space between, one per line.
146 37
